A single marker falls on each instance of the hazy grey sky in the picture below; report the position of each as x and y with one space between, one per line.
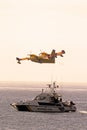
28 26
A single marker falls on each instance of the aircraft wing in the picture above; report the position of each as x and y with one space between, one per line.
44 55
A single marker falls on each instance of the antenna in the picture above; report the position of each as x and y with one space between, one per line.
51 79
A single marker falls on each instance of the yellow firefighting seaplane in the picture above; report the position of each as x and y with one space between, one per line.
43 57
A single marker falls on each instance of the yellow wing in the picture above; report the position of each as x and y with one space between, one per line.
44 55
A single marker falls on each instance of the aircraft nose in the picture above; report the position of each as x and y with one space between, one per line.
63 51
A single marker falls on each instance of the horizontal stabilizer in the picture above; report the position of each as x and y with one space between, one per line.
18 60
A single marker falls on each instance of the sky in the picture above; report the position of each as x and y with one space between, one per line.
32 26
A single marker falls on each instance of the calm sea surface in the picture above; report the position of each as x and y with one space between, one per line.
10 119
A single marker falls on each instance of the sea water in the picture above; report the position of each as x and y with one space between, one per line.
11 119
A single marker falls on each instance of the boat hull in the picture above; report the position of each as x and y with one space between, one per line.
42 108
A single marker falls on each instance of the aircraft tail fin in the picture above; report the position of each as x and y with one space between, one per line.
18 60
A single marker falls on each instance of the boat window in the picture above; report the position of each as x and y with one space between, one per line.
40 98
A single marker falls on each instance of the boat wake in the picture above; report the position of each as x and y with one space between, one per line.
83 112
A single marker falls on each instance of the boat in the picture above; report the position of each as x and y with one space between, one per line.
47 101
